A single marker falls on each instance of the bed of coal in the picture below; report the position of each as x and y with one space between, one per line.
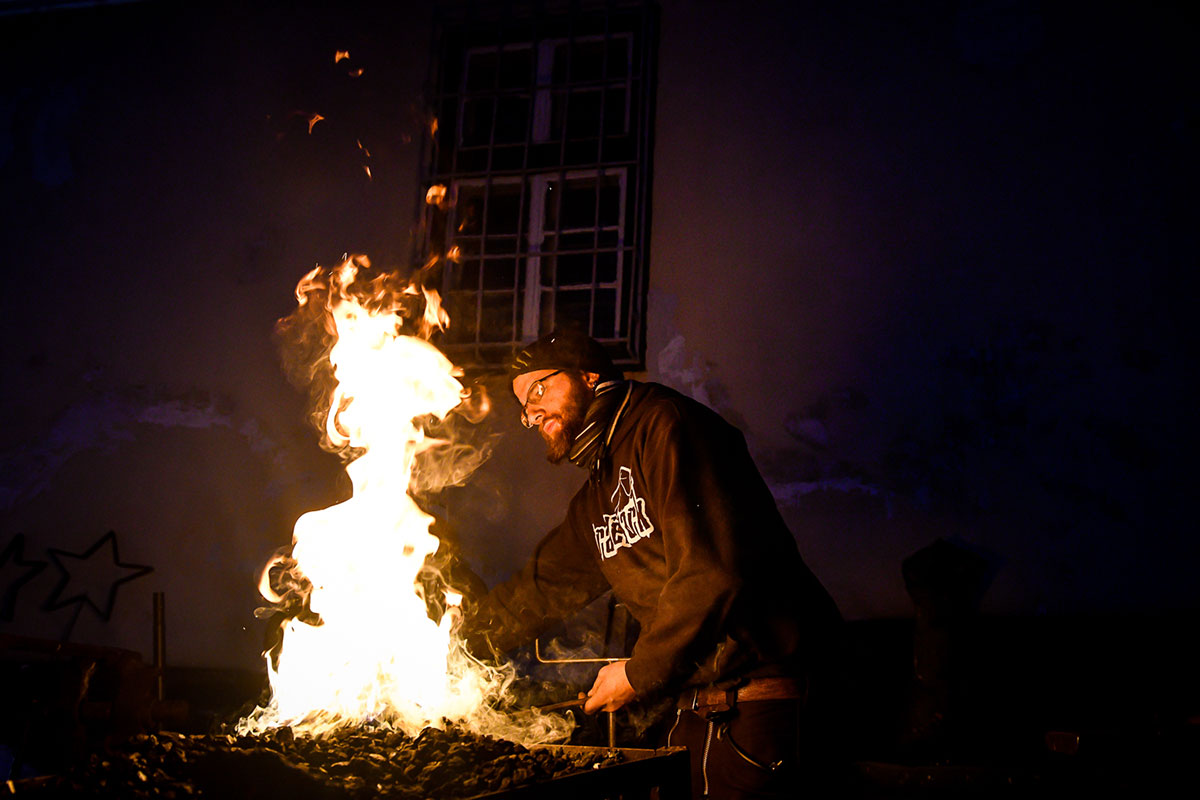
344 765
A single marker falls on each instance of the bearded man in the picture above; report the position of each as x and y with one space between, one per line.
676 520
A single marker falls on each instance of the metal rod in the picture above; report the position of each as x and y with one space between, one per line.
160 644
537 652
576 703
610 716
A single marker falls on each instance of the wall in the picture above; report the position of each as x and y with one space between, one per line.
162 197
928 258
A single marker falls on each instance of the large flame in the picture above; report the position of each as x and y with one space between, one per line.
374 654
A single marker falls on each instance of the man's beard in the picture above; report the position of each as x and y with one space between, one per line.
570 419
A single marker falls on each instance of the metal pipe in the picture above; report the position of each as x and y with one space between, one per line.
611 715
576 703
160 645
537 652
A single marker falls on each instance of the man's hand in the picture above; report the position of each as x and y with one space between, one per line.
610 691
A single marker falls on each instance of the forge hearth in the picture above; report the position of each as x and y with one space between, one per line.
357 763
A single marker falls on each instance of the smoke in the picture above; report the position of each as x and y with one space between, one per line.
459 447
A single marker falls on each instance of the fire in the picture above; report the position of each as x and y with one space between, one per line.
374 655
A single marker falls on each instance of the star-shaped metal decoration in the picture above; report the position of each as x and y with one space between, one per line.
15 572
91 576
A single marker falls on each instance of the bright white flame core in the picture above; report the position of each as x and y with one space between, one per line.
377 655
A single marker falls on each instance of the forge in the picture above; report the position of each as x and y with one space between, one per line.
371 694
363 763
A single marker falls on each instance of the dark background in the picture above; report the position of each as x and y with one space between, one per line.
931 257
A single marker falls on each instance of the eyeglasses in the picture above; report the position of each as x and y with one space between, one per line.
537 390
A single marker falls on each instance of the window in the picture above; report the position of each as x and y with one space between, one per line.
543 145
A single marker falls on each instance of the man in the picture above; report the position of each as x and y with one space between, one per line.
677 521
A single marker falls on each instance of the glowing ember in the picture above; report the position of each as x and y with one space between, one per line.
375 654
338 55
313 120
366 154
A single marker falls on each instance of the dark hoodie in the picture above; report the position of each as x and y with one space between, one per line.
679 523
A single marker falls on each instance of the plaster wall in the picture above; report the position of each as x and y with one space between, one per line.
927 258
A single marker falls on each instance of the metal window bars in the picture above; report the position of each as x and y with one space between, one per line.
543 140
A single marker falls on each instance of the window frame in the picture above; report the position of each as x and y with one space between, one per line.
476 343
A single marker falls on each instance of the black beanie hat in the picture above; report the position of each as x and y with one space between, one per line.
565 349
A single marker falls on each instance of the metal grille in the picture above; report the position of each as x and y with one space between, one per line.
543 143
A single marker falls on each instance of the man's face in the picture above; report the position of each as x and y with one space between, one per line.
558 414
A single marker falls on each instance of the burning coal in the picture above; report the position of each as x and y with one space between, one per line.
360 645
